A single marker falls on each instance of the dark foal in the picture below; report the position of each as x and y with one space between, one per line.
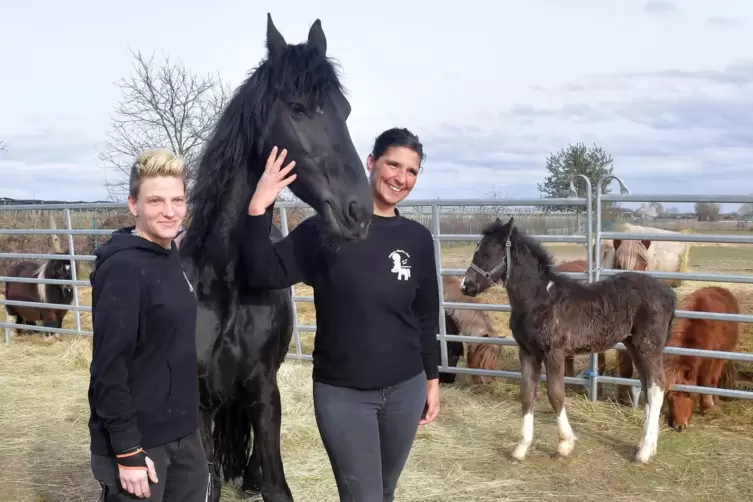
553 316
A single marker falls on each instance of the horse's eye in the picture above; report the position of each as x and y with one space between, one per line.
297 109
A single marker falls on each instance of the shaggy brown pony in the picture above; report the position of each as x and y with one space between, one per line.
472 323
704 334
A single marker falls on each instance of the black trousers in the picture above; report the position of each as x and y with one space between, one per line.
368 435
182 471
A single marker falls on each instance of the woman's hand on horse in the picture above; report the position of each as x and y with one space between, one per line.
271 182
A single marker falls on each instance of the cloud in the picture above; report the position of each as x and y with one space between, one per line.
659 7
668 131
52 164
723 22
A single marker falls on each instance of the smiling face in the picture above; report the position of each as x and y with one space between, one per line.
393 176
157 195
160 208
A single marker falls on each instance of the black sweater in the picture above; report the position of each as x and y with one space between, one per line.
144 384
377 301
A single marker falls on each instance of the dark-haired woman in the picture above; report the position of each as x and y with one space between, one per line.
377 307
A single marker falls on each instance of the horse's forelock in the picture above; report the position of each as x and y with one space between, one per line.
628 253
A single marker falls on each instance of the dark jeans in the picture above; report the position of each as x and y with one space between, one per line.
368 435
182 471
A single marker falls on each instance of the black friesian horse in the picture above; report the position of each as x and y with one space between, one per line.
293 100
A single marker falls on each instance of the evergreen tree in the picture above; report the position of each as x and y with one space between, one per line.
594 163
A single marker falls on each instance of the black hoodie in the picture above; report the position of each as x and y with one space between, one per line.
144 385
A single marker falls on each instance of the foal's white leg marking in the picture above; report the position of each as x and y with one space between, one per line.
654 399
526 436
567 438
549 286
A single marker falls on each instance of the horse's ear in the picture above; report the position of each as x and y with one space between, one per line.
511 221
276 44
317 38
498 221
616 243
646 244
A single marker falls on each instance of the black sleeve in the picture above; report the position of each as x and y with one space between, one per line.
278 265
426 307
115 314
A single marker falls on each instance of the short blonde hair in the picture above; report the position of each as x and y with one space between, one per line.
155 162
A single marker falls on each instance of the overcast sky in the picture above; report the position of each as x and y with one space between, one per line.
491 87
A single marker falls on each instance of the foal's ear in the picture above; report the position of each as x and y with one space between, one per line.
317 38
616 243
276 44
646 244
511 221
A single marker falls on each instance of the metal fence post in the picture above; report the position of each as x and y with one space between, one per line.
74 269
296 333
597 252
438 257
592 374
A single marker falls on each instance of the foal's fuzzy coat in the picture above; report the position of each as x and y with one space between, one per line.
553 316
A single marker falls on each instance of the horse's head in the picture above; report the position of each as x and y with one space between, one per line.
308 118
680 403
631 254
60 270
490 260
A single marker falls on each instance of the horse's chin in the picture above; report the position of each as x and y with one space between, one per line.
349 231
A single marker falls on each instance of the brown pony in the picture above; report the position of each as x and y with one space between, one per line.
472 323
704 334
55 269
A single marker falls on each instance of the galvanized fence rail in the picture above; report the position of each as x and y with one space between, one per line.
590 239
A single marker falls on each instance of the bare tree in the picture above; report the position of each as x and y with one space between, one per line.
164 107
2 146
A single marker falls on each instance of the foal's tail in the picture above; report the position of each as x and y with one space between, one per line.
232 437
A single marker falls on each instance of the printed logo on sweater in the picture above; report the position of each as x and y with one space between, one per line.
400 264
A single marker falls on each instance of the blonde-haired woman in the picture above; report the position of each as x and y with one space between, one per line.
143 393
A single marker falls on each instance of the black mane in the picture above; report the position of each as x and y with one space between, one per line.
301 73
521 240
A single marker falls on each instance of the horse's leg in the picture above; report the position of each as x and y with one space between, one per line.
49 320
555 386
709 377
252 476
625 370
14 319
214 484
266 417
530 369
649 362
570 366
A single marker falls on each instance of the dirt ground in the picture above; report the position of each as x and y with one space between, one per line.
464 455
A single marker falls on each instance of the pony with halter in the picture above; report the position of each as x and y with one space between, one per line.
293 100
472 323
553 316
704 334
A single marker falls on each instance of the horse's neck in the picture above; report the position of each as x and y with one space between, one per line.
527 280
221 245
